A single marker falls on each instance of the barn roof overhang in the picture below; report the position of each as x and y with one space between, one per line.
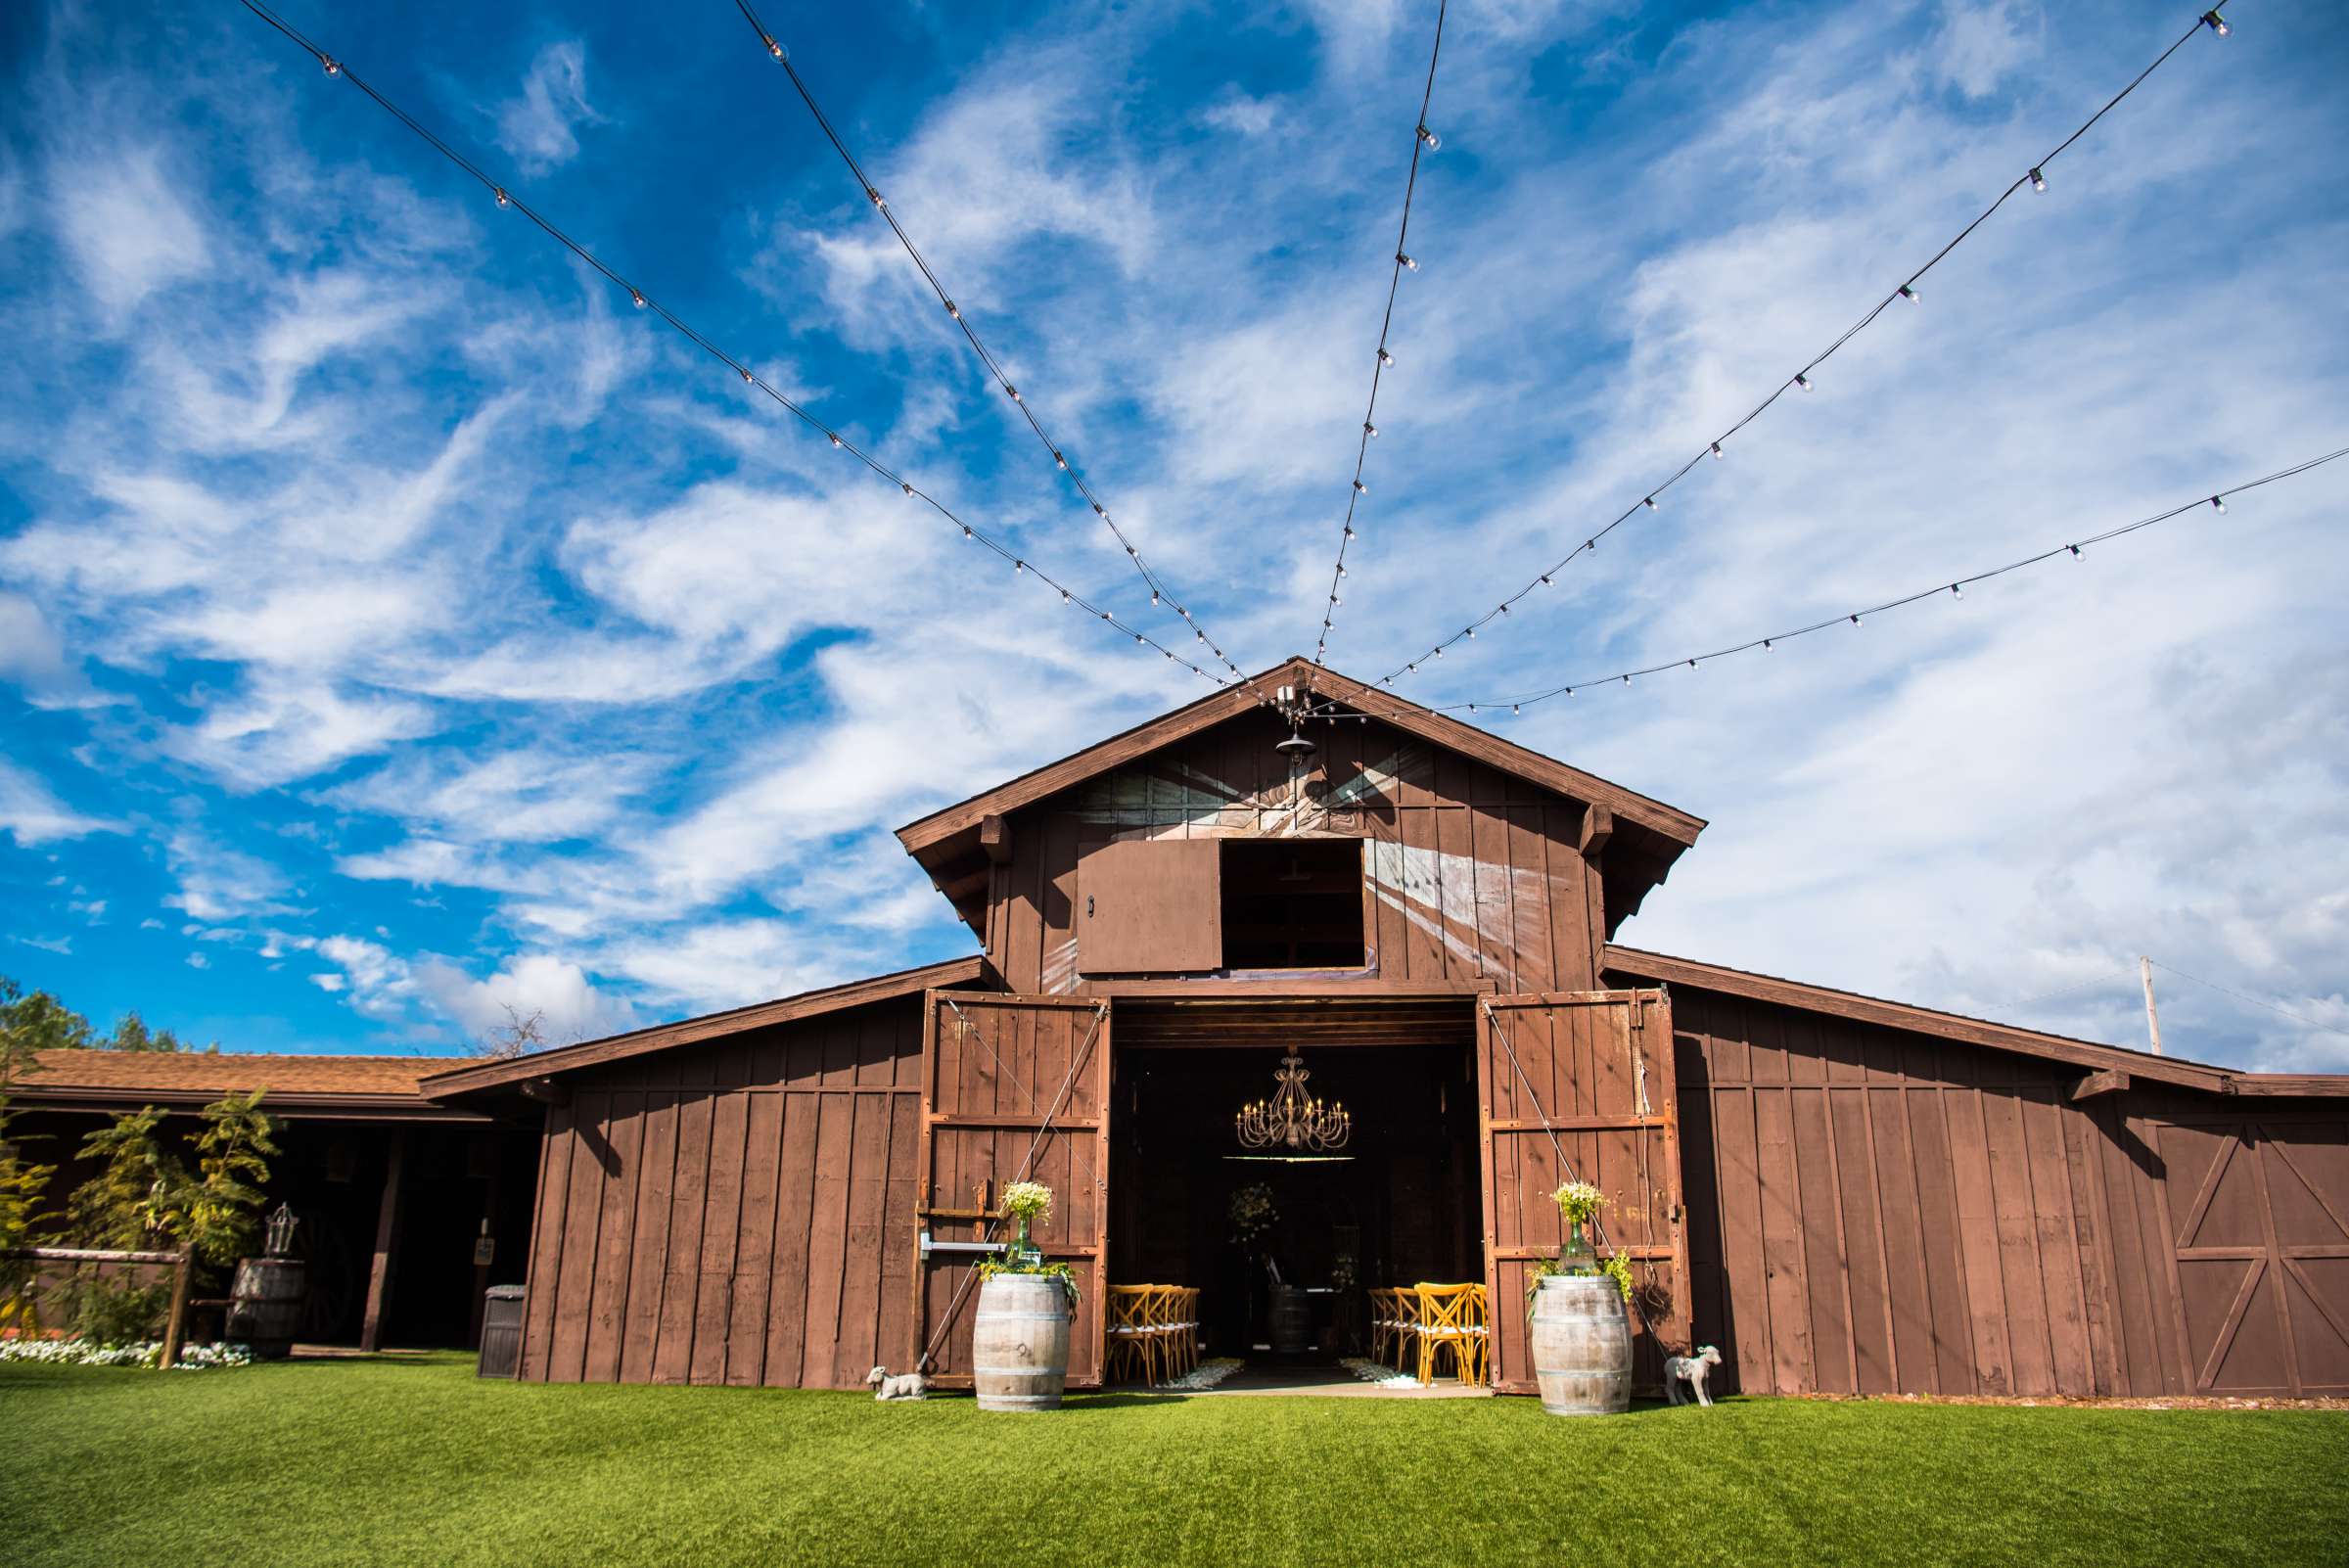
297 1088
1636 843
508 1075
2090 1056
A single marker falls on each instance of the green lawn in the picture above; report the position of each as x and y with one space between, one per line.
415 1462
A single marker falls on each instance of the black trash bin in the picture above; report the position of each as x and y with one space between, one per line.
501 1332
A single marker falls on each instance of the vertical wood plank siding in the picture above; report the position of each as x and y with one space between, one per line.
1473 873
739 1211
1873 1210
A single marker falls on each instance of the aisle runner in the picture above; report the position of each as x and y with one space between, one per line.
1379 1372
1207 1374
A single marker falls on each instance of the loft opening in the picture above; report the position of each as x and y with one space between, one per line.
1292 904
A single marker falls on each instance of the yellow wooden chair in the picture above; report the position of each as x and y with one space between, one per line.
1405 1341
1160 1316
1382 1322
1480 1334
1132 1347
1445 1324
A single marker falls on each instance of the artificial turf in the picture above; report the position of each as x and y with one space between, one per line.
414 1460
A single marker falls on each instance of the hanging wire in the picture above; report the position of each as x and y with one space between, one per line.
1423 140
1801 380
505 199
2214 502
2211 985
1161 591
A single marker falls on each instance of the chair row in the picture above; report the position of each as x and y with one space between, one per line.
1419 1323
1153 1332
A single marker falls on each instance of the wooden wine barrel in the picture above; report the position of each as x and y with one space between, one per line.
265 1303
1292 1320
1581 1344
1020 1343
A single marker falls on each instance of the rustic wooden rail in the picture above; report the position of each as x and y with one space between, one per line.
182 1262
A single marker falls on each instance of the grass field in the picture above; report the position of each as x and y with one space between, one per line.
413 1460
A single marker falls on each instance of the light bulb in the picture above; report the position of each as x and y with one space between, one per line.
1766 643
1570 691
1956 592
2215 23
637 297
1649 503
774 47
908 489
1692 664
966 528
1429 137
1716 451
1011 392
1341 569
1349 531
1908 294
1360 488
1064 596
1472 707
1514 709
503 200
1410 262
1385 358
330 65
2075 549
1438 653
1471 631
874 196
1139 640
1854 620
746 377
1504 608
1545 580
954 311
1803 381
1334 599
835 441
1369 430
2218 503
1018 569
2038 181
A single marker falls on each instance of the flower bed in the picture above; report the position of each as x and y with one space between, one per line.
140 1353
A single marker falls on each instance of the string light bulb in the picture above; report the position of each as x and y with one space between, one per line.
1854 620
1360 488
746 378
1956 592
774 46
1369 430
1802 380
954 311
1909 294
1430 139
1649 503
2038 181
503 200
835 441
1386 360
636 297
330 65
1410 262
2218 503
1716 451
2215 23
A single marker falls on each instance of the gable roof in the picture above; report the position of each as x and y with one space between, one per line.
508 1071
934 830
346 1087
2087 1055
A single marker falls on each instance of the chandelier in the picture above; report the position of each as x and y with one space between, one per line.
1292 1119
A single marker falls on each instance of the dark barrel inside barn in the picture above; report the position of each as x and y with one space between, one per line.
267 1303
1840 1193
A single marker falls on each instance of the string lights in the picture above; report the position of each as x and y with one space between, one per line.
1161 591
1955 589
1802 379
1423 141
507 199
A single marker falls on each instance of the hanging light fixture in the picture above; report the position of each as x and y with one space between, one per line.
1292 1119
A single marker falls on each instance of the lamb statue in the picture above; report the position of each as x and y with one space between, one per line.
1692 1368
907 1385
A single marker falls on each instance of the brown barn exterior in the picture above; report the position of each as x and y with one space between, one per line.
1845 1195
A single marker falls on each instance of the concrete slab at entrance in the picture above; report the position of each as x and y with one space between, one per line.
1335 1382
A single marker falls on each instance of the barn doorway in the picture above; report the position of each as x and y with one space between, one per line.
1400 1201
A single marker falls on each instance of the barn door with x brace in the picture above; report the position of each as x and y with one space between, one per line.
1577 1085
1013 1088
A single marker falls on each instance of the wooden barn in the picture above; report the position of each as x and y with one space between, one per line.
1842 1194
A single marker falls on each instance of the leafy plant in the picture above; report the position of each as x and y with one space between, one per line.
223 1205
1018 1262
1579 1202
1618 1267
1029 1202
1252 1213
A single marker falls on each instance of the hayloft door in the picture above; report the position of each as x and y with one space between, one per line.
1013 1088
1577 1085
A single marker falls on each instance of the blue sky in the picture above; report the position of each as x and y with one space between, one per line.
396 626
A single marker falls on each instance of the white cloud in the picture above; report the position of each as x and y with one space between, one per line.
63 947
198 961
1979 43
542 126
30 814
217 883
558 993
124 218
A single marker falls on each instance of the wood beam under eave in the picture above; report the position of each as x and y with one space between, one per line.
1598 826
545 1091
2111 1081
961 890
995 838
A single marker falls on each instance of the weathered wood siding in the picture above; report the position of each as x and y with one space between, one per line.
1471 873
739 1211
1873 1210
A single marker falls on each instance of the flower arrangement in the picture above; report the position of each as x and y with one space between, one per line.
1031 1204
1252 1213
1579 1202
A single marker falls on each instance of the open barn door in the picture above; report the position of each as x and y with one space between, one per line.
1579 1086
1013 1088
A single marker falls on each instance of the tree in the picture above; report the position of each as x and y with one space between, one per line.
521 1035
36 1021
223 1205
133 1035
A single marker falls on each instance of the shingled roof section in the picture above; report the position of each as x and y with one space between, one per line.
361 1087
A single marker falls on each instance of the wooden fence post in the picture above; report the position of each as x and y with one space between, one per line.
177 1327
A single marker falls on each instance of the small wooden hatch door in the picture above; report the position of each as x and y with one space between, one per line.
1013 1088
1588 1074
1150 907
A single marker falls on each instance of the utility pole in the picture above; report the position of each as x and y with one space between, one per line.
2145 971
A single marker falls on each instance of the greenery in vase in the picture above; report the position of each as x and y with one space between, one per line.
1252 1213
1031 1204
